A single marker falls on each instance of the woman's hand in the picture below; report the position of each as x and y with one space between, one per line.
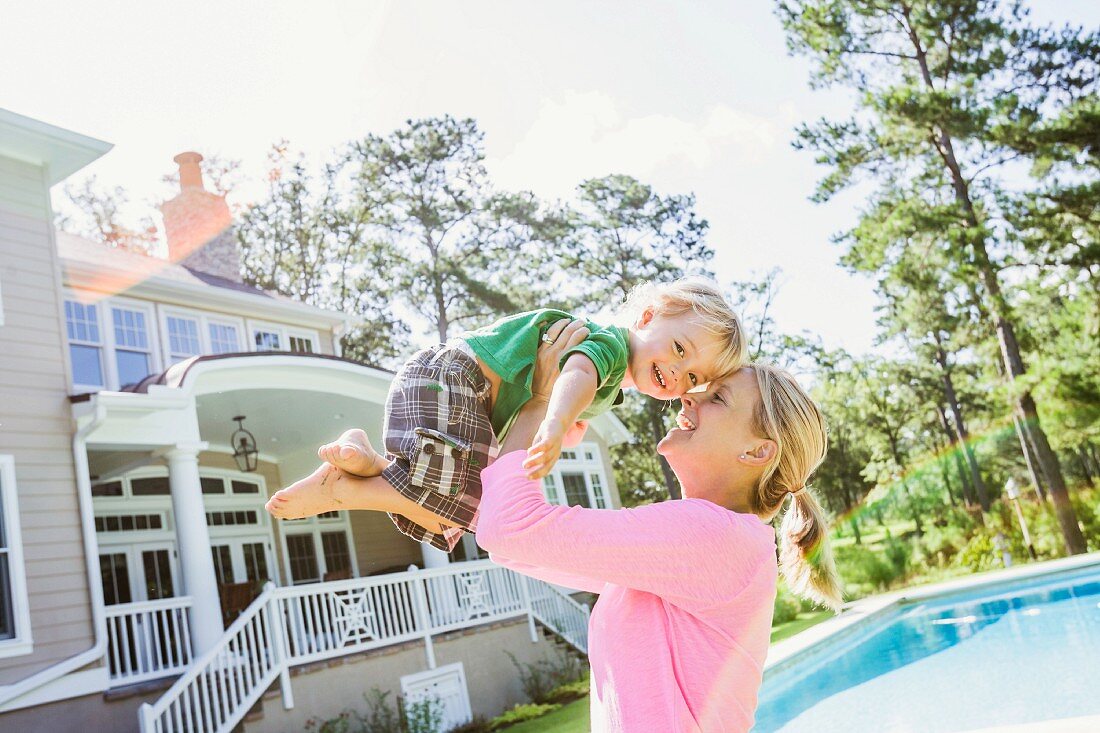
563 335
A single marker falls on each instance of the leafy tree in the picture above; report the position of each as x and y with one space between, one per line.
624 233
96 212
459 253
950 92
309 239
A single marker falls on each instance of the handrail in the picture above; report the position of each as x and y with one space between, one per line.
290 626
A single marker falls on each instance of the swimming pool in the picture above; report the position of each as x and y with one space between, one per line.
1016 652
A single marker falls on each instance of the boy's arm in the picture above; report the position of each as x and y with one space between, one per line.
572 393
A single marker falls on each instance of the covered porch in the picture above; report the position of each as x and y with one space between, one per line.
183 540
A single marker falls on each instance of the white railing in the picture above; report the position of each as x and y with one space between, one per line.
559 613
147 640
227 680
286 627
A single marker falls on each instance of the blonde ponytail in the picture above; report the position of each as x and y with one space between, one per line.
788 416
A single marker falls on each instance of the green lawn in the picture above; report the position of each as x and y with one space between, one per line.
572 718
873 534
803 622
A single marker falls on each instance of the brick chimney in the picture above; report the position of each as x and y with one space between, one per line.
198 225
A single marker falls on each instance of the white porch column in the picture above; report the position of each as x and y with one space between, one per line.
433 558
196 562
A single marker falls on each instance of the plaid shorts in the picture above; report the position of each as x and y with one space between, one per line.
439 436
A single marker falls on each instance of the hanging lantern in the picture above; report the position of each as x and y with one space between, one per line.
244 447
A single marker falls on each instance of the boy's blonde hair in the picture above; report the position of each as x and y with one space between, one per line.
788 416
704 298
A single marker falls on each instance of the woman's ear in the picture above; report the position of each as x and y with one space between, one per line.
761 454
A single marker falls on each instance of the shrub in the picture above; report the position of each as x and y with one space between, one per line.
479 724
520 713
865 570
569 692
542 677
424 715
786 607
897 554
978 554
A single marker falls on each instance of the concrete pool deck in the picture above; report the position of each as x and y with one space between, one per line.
1087 724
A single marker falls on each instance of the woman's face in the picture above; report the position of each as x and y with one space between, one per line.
713 450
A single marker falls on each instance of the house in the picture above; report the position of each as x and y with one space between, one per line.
148 408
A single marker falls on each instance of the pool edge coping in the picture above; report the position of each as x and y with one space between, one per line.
866 610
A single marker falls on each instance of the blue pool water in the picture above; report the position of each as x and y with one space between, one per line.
1022 652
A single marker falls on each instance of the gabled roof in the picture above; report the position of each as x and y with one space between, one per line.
62 152
90 265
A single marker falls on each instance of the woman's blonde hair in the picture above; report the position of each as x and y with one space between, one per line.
704 298
788 416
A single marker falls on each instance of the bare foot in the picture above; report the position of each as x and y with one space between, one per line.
315 494
353 452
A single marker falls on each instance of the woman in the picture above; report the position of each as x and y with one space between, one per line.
678 638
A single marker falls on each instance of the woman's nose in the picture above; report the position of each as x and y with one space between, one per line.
687 400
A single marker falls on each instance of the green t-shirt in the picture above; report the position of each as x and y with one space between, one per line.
510 345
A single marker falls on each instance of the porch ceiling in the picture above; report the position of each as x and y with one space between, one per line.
284 422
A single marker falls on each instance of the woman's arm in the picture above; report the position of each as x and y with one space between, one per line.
686 551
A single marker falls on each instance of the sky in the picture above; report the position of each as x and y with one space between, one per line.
697 97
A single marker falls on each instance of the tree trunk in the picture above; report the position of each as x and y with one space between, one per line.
855 530
964 435
1083 459
658 429
1029 459
1006 333
1048 464
967 490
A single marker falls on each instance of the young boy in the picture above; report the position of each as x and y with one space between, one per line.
450 404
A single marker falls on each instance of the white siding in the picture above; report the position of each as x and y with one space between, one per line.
35 425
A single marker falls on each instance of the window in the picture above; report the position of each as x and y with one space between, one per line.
116 578
132 350
223 338
85 344
319 545
152 486
301 345
303 558
576 490
337 555
266 340
276 337
550 489
255 561
223 564
212 485
597 490
579 480
15 623
245 487
107 488
183 338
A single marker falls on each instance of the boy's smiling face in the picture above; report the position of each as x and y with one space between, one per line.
670 355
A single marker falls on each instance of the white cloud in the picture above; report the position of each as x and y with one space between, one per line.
584 134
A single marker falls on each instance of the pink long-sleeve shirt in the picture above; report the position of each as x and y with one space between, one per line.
678 638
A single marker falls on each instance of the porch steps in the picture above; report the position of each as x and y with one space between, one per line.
301 629
273 693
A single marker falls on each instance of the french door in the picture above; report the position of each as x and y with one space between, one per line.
242 560
138 572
